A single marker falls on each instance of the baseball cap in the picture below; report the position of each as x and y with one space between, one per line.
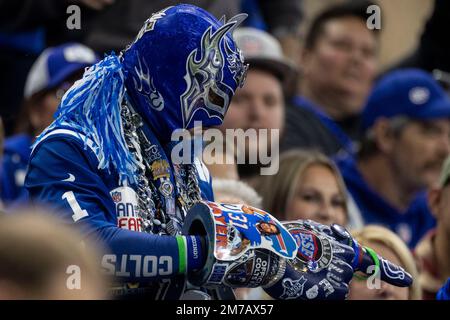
409 92
262 49
55 64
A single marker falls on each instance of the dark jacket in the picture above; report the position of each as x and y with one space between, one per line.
309 128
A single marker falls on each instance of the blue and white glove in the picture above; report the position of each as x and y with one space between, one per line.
247 247
326 260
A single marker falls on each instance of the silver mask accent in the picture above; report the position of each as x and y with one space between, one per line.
204 74
144 85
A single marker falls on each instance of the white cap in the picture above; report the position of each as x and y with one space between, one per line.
261 48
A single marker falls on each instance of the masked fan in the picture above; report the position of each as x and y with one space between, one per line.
106 164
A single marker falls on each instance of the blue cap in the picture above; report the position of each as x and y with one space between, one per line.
56 64
408 92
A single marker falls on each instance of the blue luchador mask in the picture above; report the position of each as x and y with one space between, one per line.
184 66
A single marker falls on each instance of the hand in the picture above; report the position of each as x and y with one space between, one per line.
326 259
247 247
366 257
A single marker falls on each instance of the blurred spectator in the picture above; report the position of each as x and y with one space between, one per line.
433 250
42 259
117 26
406 139
390 246
282 19
30 26
52 74
55 71
259 104
232 191
307 186
338 65
27 27
221 160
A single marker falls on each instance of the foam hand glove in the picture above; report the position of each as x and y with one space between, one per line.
247 247
326 259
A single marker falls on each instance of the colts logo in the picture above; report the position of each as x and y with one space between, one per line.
392 271
204 74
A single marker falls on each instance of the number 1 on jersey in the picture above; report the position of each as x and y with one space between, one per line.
78 213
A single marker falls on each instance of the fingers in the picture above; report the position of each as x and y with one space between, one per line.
334 285
389 272
366 257
394 274
344 252
340 271
340 293
327 284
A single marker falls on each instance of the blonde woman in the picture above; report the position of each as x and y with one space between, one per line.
307 186
390 246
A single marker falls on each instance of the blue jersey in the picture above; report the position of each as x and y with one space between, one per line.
64 173
13 168
410 225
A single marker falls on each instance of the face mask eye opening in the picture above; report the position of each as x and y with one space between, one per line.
215 99
200 78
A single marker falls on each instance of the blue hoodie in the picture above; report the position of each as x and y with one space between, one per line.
410 225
